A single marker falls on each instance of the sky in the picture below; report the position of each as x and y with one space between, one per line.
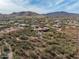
39 6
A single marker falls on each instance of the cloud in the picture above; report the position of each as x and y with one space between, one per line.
40 6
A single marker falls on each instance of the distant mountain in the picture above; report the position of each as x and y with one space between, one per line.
30 13
27 13
61 13
2 15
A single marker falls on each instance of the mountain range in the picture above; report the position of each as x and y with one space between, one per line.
30 13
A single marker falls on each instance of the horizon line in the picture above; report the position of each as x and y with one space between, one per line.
38 12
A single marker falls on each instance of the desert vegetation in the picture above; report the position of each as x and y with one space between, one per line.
39 37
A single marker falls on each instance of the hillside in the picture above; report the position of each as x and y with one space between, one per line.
61 13
29 35
28 13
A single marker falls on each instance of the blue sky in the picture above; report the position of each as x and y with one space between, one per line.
40 6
